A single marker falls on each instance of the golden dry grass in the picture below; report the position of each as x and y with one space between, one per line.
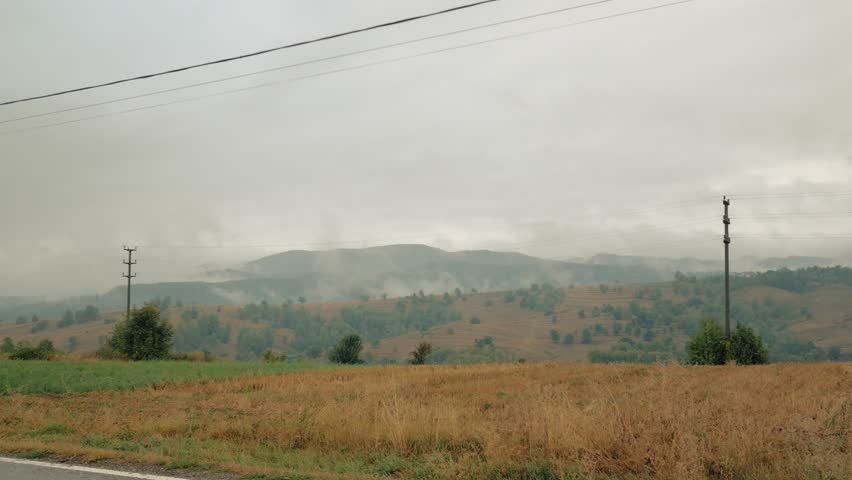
785 421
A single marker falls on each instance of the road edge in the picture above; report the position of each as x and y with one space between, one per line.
77 468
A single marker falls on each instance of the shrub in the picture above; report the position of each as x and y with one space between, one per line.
554 336
475 320
204 356
347 351
586 336
568 339
710 347
707 346
24 351
270 357
144 336
746 347
421 353
8 346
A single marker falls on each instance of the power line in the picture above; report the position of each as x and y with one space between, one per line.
254 54
815 236
790 195
355 67
309 62
774 215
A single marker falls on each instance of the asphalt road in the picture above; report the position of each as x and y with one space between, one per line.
15 469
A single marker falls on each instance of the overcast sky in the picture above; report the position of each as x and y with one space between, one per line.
616 136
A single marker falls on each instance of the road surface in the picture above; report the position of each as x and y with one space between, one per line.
18 469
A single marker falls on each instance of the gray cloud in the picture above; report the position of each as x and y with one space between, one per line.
547 144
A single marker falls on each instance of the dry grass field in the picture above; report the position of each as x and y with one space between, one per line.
510 421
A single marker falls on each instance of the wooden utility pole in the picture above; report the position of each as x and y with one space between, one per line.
727 221
129 262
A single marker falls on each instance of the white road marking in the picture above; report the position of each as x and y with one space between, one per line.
101 471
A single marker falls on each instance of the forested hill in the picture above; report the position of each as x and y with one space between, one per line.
801 314
346 274
393 271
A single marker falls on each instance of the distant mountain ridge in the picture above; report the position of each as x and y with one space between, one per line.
393 270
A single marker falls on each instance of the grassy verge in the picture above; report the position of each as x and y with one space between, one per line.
497 422
45 377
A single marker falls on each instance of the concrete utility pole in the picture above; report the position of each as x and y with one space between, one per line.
129 262
727 221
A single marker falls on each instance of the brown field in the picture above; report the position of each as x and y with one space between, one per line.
525 421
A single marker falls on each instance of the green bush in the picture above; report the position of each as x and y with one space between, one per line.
347 351
554 336
747 347
710 347
269 357
707 346
586 336
24 351
145 336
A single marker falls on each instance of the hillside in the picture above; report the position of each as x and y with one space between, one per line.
346 274
393 270
803 315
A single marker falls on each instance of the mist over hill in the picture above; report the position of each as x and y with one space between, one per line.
393 270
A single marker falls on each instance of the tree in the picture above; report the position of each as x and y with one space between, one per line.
8 346
421 353
347 351
72 343
67 319
554 336
40 326
747 348
568 339
145 336
586 336
707 346
710 347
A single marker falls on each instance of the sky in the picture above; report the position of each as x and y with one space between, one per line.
618 136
